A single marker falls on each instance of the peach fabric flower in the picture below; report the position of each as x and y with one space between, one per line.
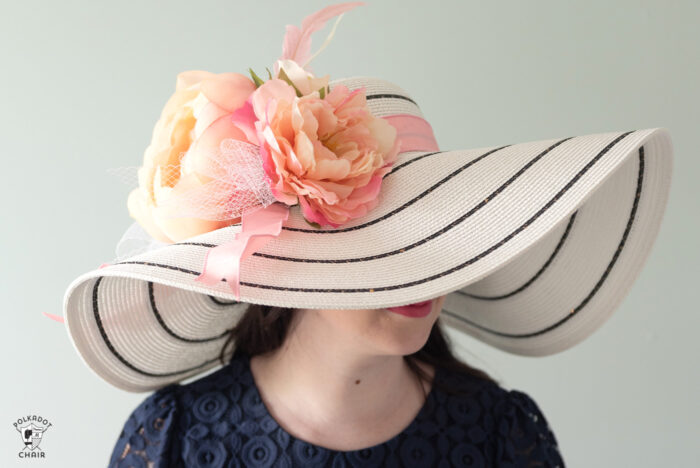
328 154
194 121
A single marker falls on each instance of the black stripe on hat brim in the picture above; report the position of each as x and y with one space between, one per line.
456 316
367 224
369 97
488 199
169 331
221 302
598 284
422 280
534 277
485 201
122 359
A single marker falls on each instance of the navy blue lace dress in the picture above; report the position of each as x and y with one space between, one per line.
221 421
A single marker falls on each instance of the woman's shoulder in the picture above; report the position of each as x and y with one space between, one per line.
491 395
523 431
509 421
153 430
146 432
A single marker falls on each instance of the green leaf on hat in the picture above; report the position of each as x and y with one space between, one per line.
256 78
322 92
269 73
316 225
283 76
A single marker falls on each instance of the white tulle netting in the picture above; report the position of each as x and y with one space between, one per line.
134 241
215 185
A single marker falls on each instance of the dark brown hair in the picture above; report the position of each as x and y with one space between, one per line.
264 328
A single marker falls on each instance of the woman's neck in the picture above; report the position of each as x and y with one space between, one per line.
324 390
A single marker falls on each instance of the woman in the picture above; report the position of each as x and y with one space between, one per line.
311 387
344 237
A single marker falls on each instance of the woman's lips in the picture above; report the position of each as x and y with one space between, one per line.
419 309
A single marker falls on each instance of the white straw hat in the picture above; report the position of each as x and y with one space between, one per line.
535 245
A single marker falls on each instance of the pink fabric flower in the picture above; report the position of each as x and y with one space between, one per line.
329 155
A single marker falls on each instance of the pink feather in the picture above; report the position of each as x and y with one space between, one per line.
297 42
57 318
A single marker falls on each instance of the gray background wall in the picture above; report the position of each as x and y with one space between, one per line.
83 83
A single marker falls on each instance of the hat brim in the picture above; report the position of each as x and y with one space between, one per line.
535 245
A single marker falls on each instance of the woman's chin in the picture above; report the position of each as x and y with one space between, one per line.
401 344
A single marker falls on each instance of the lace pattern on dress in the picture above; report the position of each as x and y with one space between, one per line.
524 438
145 438
220 421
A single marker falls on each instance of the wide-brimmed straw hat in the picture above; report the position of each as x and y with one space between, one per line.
535 244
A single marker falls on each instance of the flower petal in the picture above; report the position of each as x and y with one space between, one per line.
206 116
207 144
273 89
191 77
244 118
313 215
228 90
305 82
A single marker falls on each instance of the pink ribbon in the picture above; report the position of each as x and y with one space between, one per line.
414 132
265 223
258 227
